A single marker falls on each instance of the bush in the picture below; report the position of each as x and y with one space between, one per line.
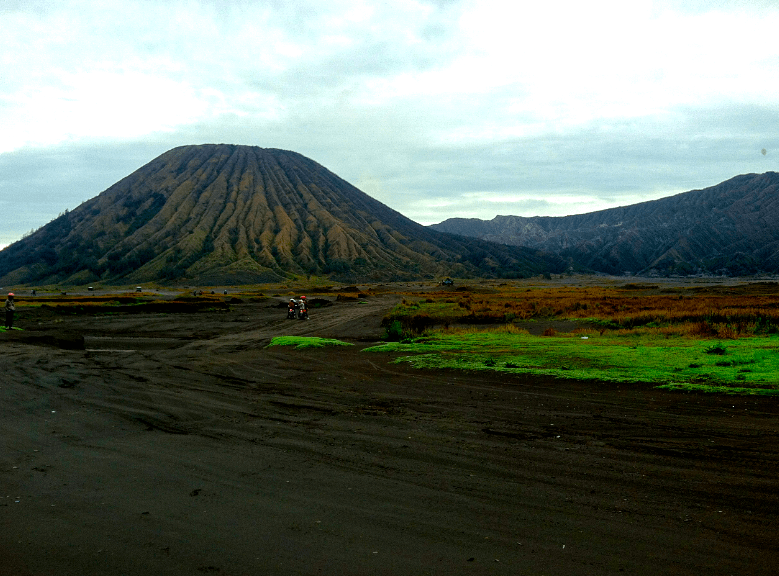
717 349
394 332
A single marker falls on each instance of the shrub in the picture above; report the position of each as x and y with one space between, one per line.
717 349
394 332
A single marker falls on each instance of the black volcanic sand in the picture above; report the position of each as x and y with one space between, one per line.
180 444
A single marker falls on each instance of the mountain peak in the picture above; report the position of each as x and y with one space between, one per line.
223 213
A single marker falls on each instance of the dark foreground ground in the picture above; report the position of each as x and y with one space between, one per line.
180 444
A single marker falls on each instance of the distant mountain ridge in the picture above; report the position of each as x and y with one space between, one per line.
731 228
219 213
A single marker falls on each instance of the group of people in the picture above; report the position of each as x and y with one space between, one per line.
298 308
10 308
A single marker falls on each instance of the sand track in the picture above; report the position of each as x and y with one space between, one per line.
193 448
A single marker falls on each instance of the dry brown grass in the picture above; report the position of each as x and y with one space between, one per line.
713 312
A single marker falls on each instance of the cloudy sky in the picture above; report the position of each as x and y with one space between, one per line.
437 108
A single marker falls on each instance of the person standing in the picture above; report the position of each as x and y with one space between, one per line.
10 307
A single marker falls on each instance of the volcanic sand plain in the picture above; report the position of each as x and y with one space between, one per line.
180 443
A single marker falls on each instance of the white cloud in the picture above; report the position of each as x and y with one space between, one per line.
437 108
96 104
573 63
488 204
109 70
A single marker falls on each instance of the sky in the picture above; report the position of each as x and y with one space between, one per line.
439 109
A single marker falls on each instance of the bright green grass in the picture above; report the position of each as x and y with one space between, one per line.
306 342
748 366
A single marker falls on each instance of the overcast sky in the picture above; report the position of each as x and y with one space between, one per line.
439 109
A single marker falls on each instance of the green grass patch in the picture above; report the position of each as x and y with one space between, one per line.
745 366
306 342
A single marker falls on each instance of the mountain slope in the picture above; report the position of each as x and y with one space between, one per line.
731 228
222 213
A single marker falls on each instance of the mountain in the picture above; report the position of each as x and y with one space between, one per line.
731 228
218 213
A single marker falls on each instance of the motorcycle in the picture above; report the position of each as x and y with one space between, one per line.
292 311
302 310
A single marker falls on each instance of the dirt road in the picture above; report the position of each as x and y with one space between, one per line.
181 444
